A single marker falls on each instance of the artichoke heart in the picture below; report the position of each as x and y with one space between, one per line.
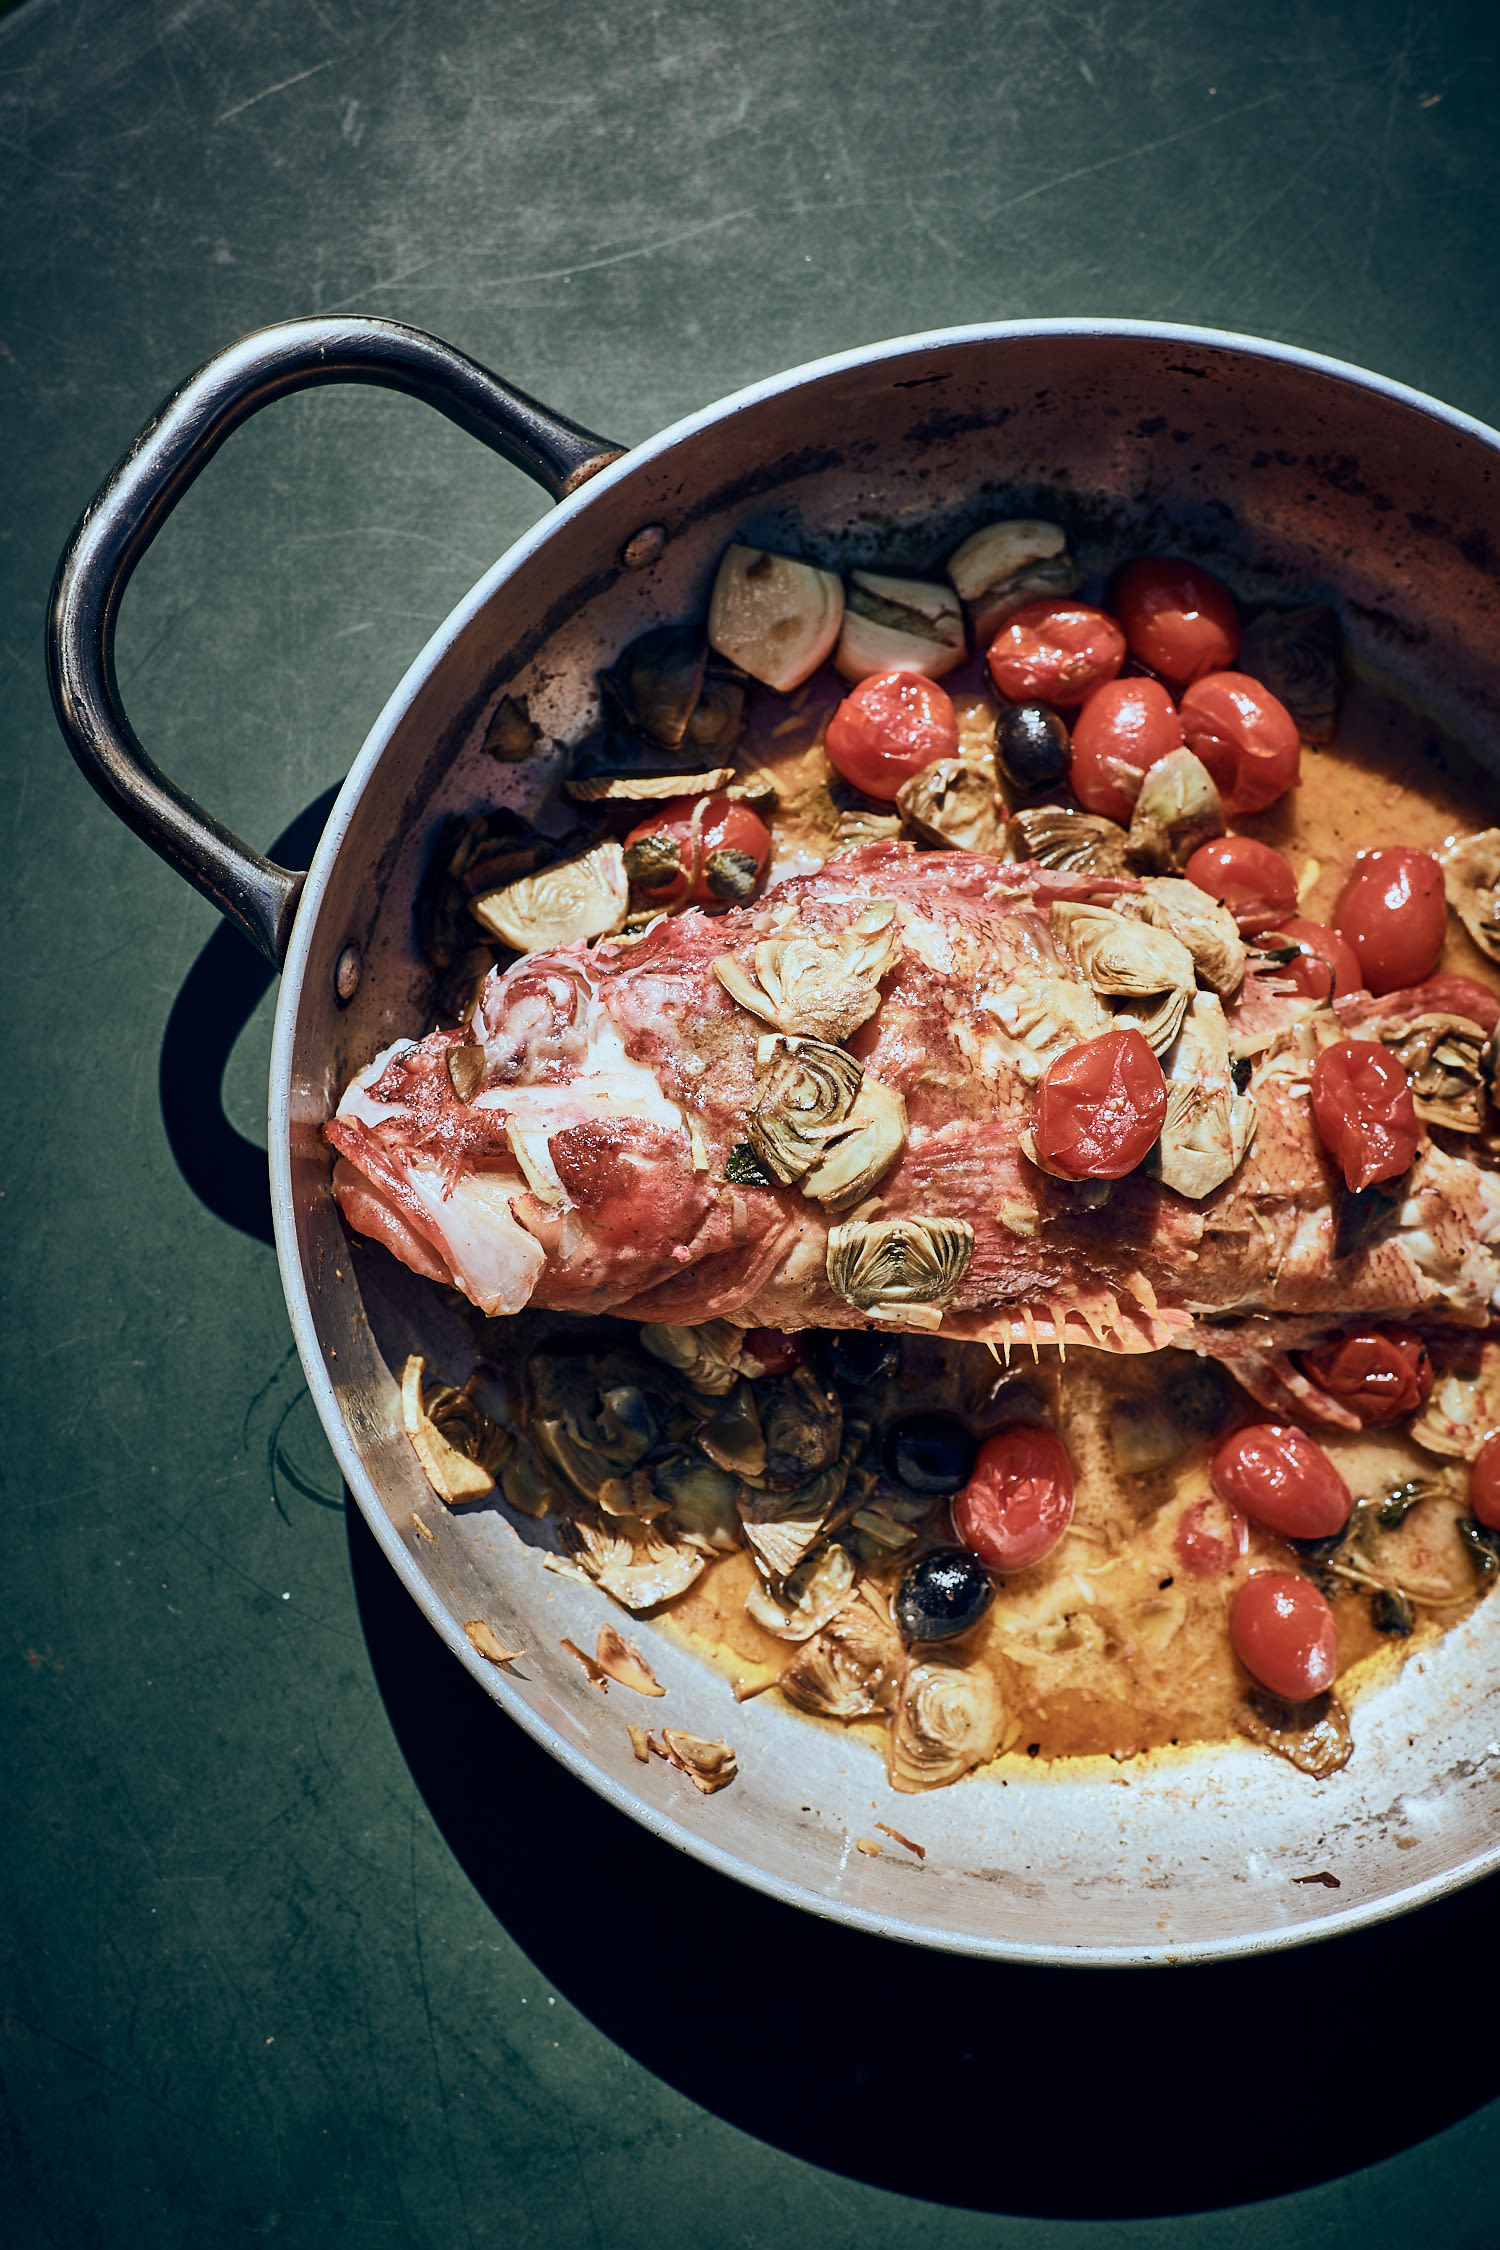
579 898
1208 1125
776 618
630 1559
805 1086
1005 564
898 624
954 802
1070 843
1178 809
1471 876
850 1670
949 1720
817 986
1147 969
781 1528
861 1149
706 1357
1207 929
809 1598
899 1269
1445 1058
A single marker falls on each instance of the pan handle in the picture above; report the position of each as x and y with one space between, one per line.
136 499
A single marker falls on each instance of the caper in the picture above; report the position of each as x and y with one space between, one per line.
942 1595
930 1453
1031 743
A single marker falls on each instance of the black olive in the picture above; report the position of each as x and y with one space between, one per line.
860 1357
1031 743
942 1596
930 1453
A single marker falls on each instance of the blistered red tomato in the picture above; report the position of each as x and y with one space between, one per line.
893 725
1364 1112
1277 1476
709 848
1178 617
1284 1634
1099 1107
1250 878
1380 1373
1326 966
1394 912
1210 1538
1055 652
1484 1484
1123 728
777 1350
1019 1500
1247 739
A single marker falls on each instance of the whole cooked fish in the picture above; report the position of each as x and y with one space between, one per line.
814 1111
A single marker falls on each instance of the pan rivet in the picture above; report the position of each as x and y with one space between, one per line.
645 548
346 975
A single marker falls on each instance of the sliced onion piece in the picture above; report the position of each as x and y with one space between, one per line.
899 625
776 618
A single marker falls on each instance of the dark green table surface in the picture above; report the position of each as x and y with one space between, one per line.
300 1938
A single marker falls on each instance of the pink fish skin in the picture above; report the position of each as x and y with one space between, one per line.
588 1172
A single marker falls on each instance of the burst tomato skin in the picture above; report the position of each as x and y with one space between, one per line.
1245 736
1018 1501
1211 1537
1284 1634
1394 912
1484 1483
1055 652
893 725
1123 728
1364 1112
1252 879
1382 1374
1178 617
1326 967
1099 1107
723 825
1277 1476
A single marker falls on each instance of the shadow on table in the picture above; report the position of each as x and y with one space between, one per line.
1045 2092
219 995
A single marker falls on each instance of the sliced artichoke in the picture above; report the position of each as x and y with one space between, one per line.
898 625
1178 809
1006 564
630 1560
1043 1012
579 898
949 1720
954 802
1295 653
803 1086
1208 930
860 1150
647 788
452 1446
776 618
1070 843
1471 875
808 1598
1147 969
850 1670
733 1438
857 825
1446 1059
708 1765
706 1357
818 986
701 1497
1208 1125
899 1269
783 1527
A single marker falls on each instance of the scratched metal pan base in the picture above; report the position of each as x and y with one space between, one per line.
1304 479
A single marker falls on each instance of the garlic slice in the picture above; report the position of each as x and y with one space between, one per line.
899 625
776 618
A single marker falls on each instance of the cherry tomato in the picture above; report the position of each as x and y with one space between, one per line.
1484 1484
1275 1474
1394 912
1211 1536
1457 996
892 725
1253 881
1365 1115
778 1350
1178 618
1123 728
1381 1374
1054 652
1326 966
1246 738
718 852
1099 1107
1284 1634
1019 1500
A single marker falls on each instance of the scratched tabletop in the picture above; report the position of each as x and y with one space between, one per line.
302 1940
